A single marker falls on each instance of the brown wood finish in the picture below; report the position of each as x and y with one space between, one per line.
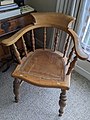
44 67
66 45
62 101
17 54
33 40
24 46
16 85
45 38
70 55
72 64
78 49
56 39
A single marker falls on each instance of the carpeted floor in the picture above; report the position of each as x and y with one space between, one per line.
42 103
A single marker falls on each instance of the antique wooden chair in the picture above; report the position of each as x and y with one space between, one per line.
46 67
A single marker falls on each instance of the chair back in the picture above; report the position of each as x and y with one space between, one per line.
44 25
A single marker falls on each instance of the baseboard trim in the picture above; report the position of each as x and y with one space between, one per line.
82 71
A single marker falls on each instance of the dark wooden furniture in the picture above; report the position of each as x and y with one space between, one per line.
46 67
14 24
7 28
11 25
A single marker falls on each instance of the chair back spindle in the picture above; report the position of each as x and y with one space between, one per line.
33 40
24 46
70 55
17 54
56 38
66 45
72 64
44 37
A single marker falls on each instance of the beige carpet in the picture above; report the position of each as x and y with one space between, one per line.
42 103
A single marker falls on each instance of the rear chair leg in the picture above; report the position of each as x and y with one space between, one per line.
16 85
62 102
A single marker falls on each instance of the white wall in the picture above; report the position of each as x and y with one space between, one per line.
42 5
83 67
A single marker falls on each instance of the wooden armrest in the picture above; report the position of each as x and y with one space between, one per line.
14 38
78 49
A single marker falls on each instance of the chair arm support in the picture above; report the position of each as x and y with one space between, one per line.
78 49
14 38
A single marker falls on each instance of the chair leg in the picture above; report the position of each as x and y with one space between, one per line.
16 85
62 102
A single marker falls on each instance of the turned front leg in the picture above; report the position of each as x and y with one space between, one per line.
16 85
62 102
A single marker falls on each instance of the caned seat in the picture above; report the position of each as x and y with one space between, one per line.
43 66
